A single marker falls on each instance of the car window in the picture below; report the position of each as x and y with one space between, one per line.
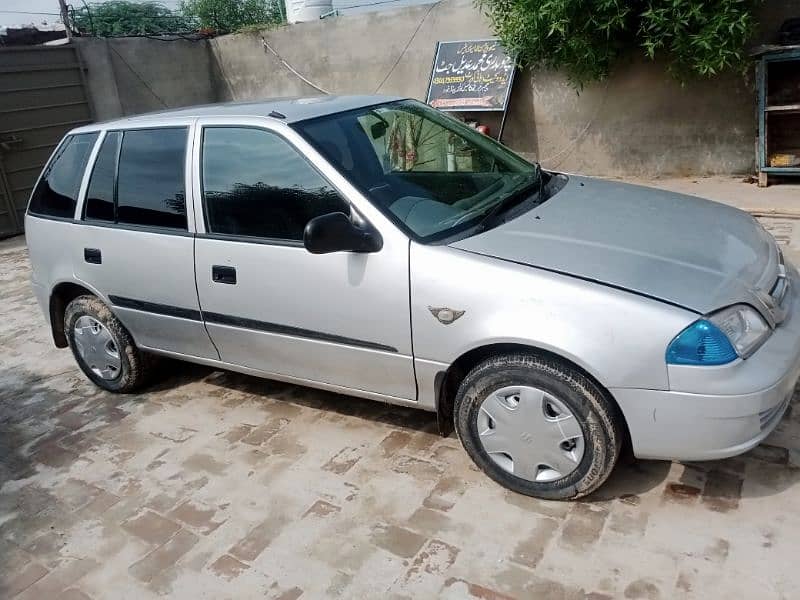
57 191
435 177
100 196
150 182
256 184
405 142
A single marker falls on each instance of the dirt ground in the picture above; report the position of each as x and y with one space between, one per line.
782 196
217 485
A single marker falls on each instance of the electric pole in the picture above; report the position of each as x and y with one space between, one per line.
62 4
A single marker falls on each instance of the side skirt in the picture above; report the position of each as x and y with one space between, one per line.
210 362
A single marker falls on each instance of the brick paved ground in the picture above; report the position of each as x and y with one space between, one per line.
217 485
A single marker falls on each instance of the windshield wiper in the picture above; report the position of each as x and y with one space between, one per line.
516 197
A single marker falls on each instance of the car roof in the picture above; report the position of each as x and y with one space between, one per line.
290 110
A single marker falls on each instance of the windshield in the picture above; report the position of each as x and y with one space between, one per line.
429 173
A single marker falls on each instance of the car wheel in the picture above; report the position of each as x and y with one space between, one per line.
538 426
103 348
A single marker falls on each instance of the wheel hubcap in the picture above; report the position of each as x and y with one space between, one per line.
530 433
96 347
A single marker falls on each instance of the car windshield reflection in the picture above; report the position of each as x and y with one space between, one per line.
431 174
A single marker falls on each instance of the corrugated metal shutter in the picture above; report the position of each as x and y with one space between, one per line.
42 96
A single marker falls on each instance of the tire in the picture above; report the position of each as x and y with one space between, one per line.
540 389
134 366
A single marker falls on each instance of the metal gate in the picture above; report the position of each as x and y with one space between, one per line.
42 96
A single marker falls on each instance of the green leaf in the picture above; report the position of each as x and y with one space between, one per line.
585 38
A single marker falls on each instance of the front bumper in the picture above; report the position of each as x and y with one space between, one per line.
717 412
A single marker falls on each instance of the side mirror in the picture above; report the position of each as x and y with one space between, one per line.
335 232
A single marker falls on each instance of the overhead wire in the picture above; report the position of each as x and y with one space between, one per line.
391 70
376 4
569 146
408 43
139 77
29 12
291 69
267 46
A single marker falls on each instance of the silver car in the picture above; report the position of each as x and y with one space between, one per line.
377 247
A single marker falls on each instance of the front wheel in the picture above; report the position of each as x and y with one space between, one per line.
538 426
103 348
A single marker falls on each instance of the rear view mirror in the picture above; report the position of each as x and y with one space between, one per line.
378 130
335 232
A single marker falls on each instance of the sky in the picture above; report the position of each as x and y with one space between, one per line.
10 8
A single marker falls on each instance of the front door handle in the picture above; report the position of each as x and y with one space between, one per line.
93 256
221 274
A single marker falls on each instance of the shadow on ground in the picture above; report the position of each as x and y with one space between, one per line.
41 420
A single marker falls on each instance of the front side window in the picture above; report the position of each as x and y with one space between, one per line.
434 176
150 179
256 184
57 192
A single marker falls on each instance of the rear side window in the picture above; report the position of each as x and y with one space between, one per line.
138 179
150 182
255 184
100 196
57 192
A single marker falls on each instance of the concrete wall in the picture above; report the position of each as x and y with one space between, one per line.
638 122
134 75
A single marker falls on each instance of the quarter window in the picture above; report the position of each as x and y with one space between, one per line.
100 196
150 183
256 184
57 191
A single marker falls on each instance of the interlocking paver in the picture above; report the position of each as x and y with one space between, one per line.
530 550
59 579
214 484
254 543
15 582
197 516
151 527
163 557
73 594
397 540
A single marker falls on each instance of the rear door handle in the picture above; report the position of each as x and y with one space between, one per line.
221 274
93 256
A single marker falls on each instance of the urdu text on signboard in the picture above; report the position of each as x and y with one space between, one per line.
473 75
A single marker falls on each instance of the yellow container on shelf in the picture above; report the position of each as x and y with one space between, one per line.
784 159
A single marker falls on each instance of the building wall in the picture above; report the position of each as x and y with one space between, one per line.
129 76
638 122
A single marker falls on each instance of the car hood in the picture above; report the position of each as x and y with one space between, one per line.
684 250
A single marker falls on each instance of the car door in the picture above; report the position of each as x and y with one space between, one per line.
340 319
135 246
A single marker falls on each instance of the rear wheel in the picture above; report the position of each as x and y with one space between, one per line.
538 426
103 348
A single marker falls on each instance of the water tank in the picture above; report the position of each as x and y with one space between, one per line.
298 11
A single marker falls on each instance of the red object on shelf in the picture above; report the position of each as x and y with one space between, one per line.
484 129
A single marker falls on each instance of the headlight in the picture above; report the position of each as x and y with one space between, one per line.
736 331
745 328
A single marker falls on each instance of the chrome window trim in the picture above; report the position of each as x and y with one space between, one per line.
140 228
246 239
